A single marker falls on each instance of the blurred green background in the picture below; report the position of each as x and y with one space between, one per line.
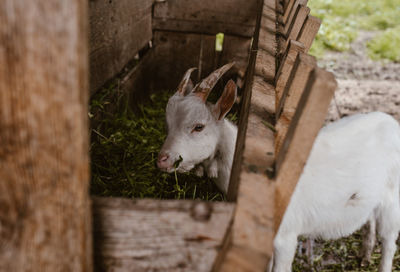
343 19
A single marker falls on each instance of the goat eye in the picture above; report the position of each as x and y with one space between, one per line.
198 128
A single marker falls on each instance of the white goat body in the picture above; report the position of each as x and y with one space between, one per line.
352 176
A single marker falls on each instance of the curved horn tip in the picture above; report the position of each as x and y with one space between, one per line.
185 80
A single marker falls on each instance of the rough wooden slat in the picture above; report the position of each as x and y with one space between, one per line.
176 52
297 24
44 166
286 67
118 30
308 120
252 230
158 235
288 6
290 17
234 17
309 31
294 89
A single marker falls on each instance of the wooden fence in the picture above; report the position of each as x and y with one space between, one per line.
45 215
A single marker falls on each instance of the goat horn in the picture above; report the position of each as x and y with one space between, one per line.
185 81
203 88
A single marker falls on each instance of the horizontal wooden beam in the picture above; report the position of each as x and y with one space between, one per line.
158 235
233 17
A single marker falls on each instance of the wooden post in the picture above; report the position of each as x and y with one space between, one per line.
290 13
290 98
44 171
309 31
285 68
297 23
306 123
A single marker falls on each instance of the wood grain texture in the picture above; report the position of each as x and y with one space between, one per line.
287 7
118 30
297 23
252 229
285 68
308 120
158 235
176 52
293 91
309 31
291 15
233 17
44 201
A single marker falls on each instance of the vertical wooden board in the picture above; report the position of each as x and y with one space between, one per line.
177 52
287 6
236 49
285 68
235 17
298 22
294 89
44 168
304 63
290 17
252 230
308 120
158 235
265 60
118 30
309 31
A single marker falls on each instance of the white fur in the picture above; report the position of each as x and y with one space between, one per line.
352 176
211 149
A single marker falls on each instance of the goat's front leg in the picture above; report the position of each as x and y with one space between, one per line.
369 242
212 169
284 251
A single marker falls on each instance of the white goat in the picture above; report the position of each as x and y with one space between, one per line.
352 176
198 134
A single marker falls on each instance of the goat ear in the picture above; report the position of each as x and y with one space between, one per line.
225 102
203 88
186 84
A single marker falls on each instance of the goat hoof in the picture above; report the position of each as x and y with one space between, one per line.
365 262
199 171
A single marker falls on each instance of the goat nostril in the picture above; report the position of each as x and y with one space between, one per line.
163 157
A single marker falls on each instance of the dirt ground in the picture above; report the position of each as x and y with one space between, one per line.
364 85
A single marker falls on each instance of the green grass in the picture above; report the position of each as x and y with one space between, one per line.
386 45
343 255
341 21
124 148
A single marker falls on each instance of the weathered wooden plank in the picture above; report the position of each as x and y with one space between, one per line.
176 52
293 91
285 68
287 7
297 23
287 20
158 235
234 17
309 31
45 207
308 120
118 30
252 230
